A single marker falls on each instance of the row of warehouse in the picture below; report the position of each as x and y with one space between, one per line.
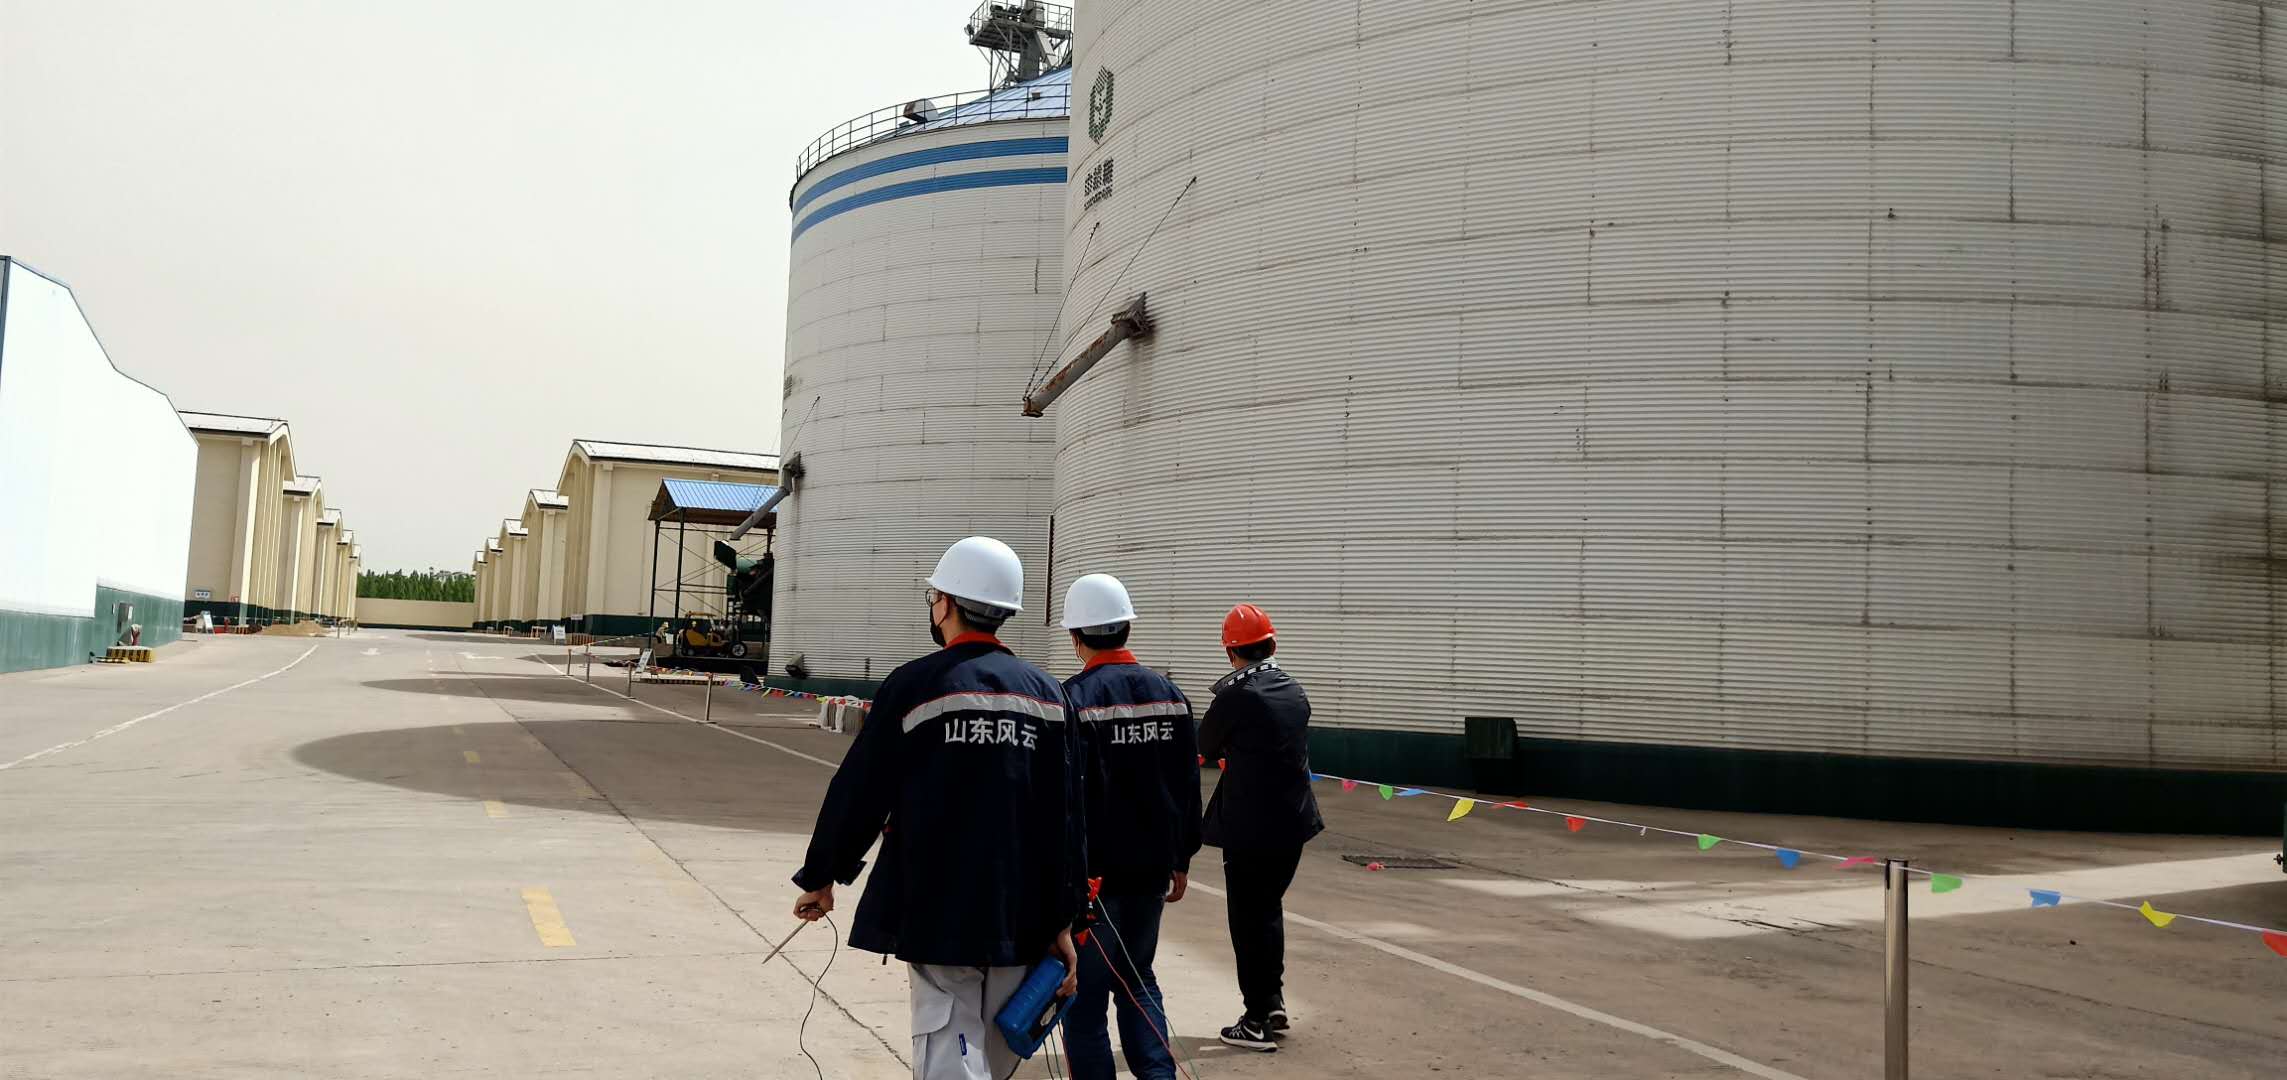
220 522
1783 405
622 541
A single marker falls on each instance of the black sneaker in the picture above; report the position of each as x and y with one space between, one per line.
1277 1021
1249 1034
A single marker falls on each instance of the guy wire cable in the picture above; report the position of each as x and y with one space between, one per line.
1166 1038
802 1033
1040 356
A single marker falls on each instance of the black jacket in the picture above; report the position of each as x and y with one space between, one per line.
968 759
1142 767
1259 727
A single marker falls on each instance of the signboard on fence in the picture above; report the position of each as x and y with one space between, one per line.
202 594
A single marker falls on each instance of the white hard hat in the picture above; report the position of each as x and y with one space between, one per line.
981 570
1097 600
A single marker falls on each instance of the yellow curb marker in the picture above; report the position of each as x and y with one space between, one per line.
546 920
494 808
470 755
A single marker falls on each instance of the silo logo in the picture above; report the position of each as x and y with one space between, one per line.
1100 105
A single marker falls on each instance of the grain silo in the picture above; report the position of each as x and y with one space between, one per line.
1770 403
924 279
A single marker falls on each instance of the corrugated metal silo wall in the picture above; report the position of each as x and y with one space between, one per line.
1883 378
916 310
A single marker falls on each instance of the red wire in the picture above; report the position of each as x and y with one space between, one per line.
1098 939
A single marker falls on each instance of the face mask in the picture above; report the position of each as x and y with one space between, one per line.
935 634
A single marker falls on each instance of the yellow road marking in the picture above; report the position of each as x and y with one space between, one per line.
546 920
494 808
470 755
457 730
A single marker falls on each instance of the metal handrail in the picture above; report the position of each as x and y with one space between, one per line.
933 114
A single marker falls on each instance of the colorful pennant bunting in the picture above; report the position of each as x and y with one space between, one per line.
1790 858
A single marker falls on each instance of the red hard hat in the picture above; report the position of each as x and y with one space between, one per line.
1246 625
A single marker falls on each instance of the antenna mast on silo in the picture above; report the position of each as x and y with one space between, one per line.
1022 39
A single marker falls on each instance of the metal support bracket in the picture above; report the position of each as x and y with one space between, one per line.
1128 322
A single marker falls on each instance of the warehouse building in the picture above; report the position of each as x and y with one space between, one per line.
326 582
490 588
542 572
608 574
510 580
98 472
238 520
347 562
926 272
298 546
1783 406
481 569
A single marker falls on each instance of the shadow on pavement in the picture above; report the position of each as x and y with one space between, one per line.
659 771
537 686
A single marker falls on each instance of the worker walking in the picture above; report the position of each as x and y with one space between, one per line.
1142 780
967 772
1262 814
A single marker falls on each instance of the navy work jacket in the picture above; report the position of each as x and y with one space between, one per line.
968 773
1141 758
1259 725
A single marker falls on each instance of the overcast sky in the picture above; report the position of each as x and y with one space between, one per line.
443 238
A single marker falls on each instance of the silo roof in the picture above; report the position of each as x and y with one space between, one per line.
1048 97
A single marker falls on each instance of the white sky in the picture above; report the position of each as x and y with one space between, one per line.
443 238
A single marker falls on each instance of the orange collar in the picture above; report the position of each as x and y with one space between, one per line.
974 637
1110 656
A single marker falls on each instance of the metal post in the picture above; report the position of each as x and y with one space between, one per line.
588 663
709 715
567 661
1894 962
631 673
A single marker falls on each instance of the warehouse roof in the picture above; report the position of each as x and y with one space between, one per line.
230 424
709 502
549 500
674 455
330 517
513 527
302 485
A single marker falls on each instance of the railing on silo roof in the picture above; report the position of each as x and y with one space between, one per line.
1042 99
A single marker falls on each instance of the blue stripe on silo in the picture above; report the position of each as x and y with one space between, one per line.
958 182
937 156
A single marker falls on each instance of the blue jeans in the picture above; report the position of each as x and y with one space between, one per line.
1131 921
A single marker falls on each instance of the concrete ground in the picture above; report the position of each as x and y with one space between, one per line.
405 854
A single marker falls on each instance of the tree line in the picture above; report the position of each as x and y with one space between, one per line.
431 584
